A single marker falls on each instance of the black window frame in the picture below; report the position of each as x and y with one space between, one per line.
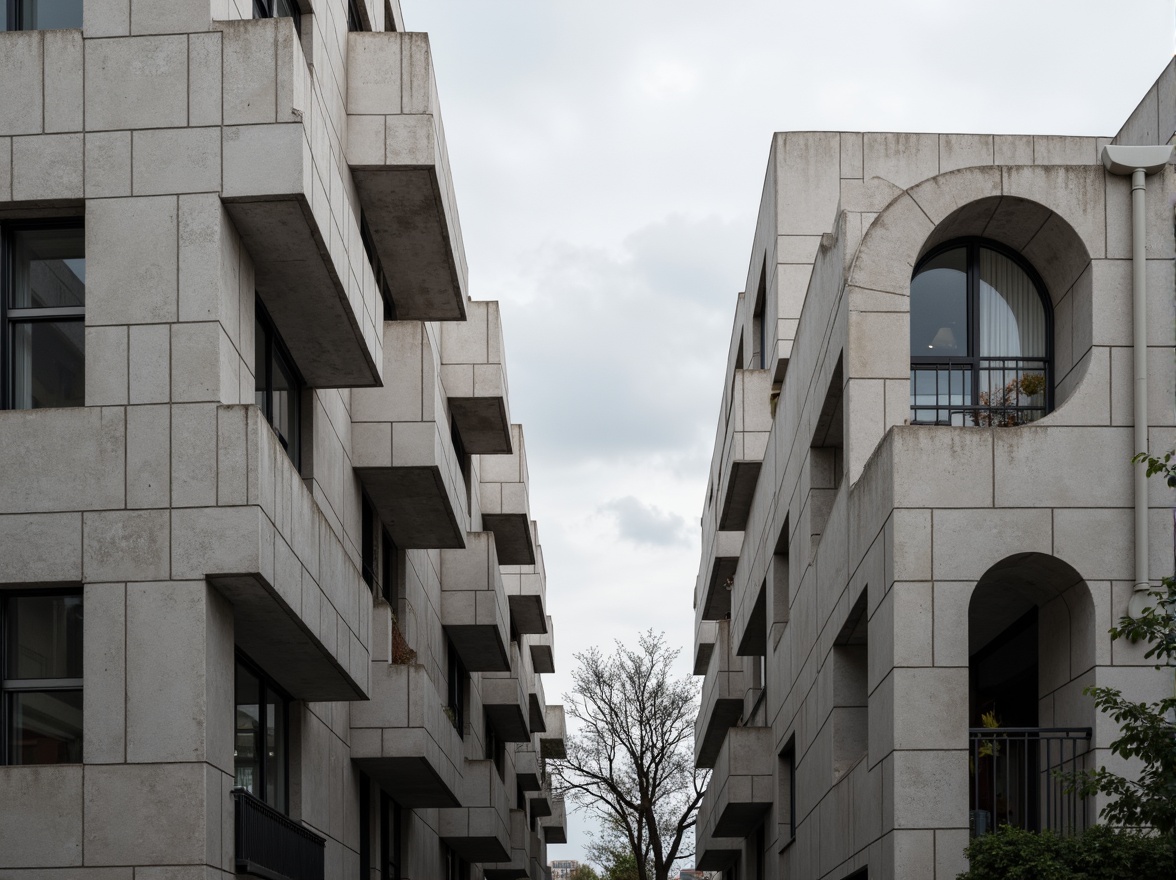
354 17
9 686
14 18
276 347
389 569
266 685
269 9
391 838
11 316
456 686
367 540
973 360
787 757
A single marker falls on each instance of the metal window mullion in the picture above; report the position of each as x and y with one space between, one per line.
15 685
51 313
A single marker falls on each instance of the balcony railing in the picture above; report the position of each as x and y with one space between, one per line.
273 846
1018 778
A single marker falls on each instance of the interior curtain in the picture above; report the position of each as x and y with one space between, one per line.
1012 318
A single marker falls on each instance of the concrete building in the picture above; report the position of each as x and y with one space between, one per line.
271 595
561 869
922 518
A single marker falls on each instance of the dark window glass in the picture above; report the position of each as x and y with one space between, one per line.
278 385
278 9
354 20
260 736
980 339
41 677
367 541
43 310
455 691
388 553
40 15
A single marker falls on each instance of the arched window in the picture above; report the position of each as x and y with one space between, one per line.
981 338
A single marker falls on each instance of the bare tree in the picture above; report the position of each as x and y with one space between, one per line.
631 757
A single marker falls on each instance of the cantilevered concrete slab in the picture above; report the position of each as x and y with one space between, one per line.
705 635
402 738
542 647
526 591
401 445
745 441
474 375
518 866
551 741
528 769
721 706
504 697
742 781
396 151
473 606
721 562
478 830
555 826
506 508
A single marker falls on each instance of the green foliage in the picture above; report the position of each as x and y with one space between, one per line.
1101 853
584 872
624 867
1147 732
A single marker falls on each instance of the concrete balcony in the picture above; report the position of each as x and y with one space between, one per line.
742 783
720 560
506 508
706 633
744 442
536 704
474 376
539 807
519 864
555 826
402 448
478 830
473 606
721 704
526 591
542 647
395 147
276 173
711 853
552 741
402 738
529 769
504 698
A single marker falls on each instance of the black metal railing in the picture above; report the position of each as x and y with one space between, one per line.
1018 778
984 392
274 846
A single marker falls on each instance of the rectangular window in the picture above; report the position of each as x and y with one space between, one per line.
42 315
40 15
278 385
279 9
41 677
457 684
456 868
354 19
261 737
786 801
367 541
389 554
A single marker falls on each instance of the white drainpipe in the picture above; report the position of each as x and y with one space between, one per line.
1138 162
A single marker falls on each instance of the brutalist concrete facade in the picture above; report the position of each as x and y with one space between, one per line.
871 587
375 564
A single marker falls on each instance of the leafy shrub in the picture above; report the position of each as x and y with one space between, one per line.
1101 853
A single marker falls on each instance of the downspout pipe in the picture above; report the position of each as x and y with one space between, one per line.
1138 162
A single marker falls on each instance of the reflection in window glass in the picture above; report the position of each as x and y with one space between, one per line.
260 737
278 387
44 15
939 306
48 364
245 753
44 637
46 727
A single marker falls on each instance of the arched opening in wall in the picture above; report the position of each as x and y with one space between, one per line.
1030 654
1005 293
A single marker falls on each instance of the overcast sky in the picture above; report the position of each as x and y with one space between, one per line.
608 159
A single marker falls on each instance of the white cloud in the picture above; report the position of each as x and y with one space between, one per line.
643 523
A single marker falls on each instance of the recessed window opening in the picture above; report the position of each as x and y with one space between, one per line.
42 315
390 571
354 18
457 683
464 460
391 838
786 787
40 15
778 575
367 541
826 462
261 738
495 748
278 385
41 677
759 353
981 338
850 689
279 9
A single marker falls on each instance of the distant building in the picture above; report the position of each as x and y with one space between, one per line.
921 514
561 869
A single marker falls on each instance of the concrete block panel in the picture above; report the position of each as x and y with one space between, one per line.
125 545
927 788
928 712
808 181
1012 149
1035 467
126 804
153 17
6 169
131 259
42 824
960 459
964 151
108 164
106 366
63 80
552 742
204 79
968 542
901 158
473 604
106 18
542 649
105 665
474 376
743 781
86 442
21 71
946 193
41 547
181 160
149 446
479 829
406 188
137 83
47 167
891 247
505 700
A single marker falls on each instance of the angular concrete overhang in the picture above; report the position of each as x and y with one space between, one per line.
551 741
711 854
542 647
474 376
478 830
744 442
540 806
742 782
706 632
402 738
518 866
506 508
301 610
526 591
504 698
276 173
474 611
536 704
721 704
395 147
555 826
749 624
402 448
529 767
720 563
